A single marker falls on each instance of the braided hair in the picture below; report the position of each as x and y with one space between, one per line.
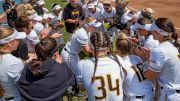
100 41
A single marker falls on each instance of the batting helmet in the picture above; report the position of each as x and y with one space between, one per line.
121 1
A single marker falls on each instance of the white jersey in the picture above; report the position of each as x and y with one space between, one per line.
165 60
135 83
10 72
78 39
108 79
58 18
150 43
31 40
97 14
38 27
109 16
99 5
84 6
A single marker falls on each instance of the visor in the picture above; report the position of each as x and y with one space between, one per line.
37 18
40 2
145 27
154 27
91 6
57 7
94 23
15 35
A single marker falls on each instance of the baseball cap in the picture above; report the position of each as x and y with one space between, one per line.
91 5
37 18
40 2
154 27
145 27
15 35
94 23
57 7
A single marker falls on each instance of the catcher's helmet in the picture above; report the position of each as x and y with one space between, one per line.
121 1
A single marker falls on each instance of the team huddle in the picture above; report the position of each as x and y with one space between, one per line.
131 55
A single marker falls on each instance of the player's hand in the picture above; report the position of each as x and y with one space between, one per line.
134 40
142 52
56 35
57 57
44 33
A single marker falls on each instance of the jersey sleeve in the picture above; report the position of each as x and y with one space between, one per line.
82 38
157 59
15 70
33 37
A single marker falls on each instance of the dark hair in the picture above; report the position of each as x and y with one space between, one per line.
22 22
99 40
53 5
143 21
44 49
1 91
167 25
147 15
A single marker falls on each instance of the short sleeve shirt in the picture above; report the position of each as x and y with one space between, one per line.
10 72
79 38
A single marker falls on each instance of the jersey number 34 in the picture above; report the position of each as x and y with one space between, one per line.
110 86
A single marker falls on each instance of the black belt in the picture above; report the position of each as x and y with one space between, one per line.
140 97
9 98
177 91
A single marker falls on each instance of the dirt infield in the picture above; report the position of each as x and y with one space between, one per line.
163 8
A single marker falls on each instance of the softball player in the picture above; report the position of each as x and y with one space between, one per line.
142 28
93 11
102 75
79 42
136 87
164 62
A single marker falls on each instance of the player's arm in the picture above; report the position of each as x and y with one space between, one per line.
72 21
150 75
156 61
86 49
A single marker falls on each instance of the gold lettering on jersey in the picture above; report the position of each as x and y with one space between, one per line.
75 12
178 56
111 88
102 87
101 79
138 72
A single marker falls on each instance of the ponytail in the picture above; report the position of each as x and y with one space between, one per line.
176 40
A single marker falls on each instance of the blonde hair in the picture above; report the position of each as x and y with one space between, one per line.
29 10
86 21
4 32
122 44
1 91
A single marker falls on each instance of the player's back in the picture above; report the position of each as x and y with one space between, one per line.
107 85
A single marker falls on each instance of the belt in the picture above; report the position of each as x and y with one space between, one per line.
177 91
140 97
9 98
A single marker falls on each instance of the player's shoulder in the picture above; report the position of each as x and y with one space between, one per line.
134 59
